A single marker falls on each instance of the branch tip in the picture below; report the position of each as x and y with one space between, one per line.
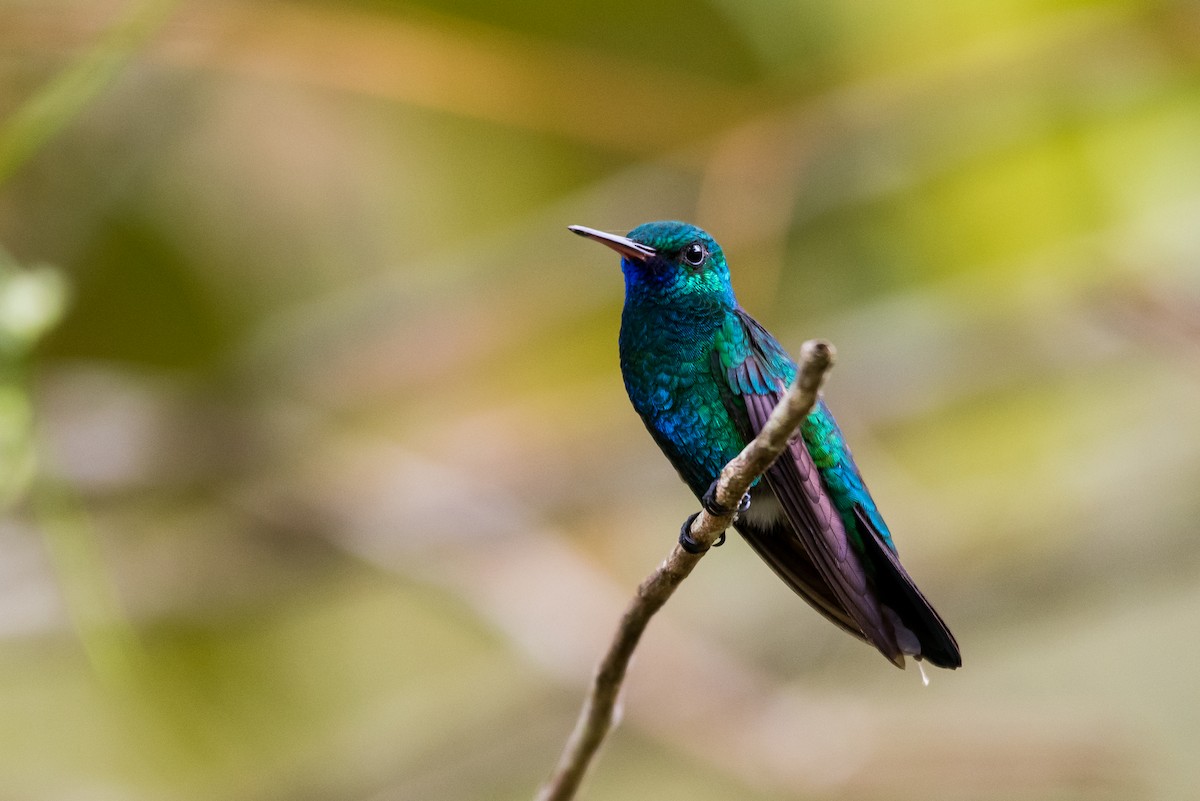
819 353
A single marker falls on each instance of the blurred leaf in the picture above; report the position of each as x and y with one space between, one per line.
31 303
55 105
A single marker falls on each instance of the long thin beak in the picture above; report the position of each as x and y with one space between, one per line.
623 245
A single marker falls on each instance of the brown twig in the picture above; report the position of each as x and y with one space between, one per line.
596 717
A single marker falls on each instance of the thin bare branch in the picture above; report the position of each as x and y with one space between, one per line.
596 717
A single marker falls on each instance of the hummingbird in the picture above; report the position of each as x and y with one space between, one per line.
704 376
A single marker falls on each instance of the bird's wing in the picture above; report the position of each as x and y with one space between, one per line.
757 373
797 484
852 555
772 539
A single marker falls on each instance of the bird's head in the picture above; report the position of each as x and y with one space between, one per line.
670 261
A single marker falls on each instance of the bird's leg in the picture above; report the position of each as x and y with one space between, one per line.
714 507
690 545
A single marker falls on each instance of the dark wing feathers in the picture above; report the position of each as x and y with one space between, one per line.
797 484
869 594
775 543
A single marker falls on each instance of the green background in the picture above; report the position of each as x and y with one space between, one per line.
318 477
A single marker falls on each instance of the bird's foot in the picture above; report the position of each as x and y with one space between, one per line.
716 508
690 545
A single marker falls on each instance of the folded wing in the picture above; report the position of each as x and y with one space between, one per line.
852 576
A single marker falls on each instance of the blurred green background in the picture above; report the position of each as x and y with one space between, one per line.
319 481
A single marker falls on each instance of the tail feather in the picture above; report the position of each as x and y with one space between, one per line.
899 593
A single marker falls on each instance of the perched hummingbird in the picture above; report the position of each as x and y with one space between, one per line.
704 376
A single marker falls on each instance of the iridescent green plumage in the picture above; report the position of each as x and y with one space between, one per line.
704 376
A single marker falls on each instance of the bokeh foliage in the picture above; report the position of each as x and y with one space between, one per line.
319 480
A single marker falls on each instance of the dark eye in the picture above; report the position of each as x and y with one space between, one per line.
695 254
